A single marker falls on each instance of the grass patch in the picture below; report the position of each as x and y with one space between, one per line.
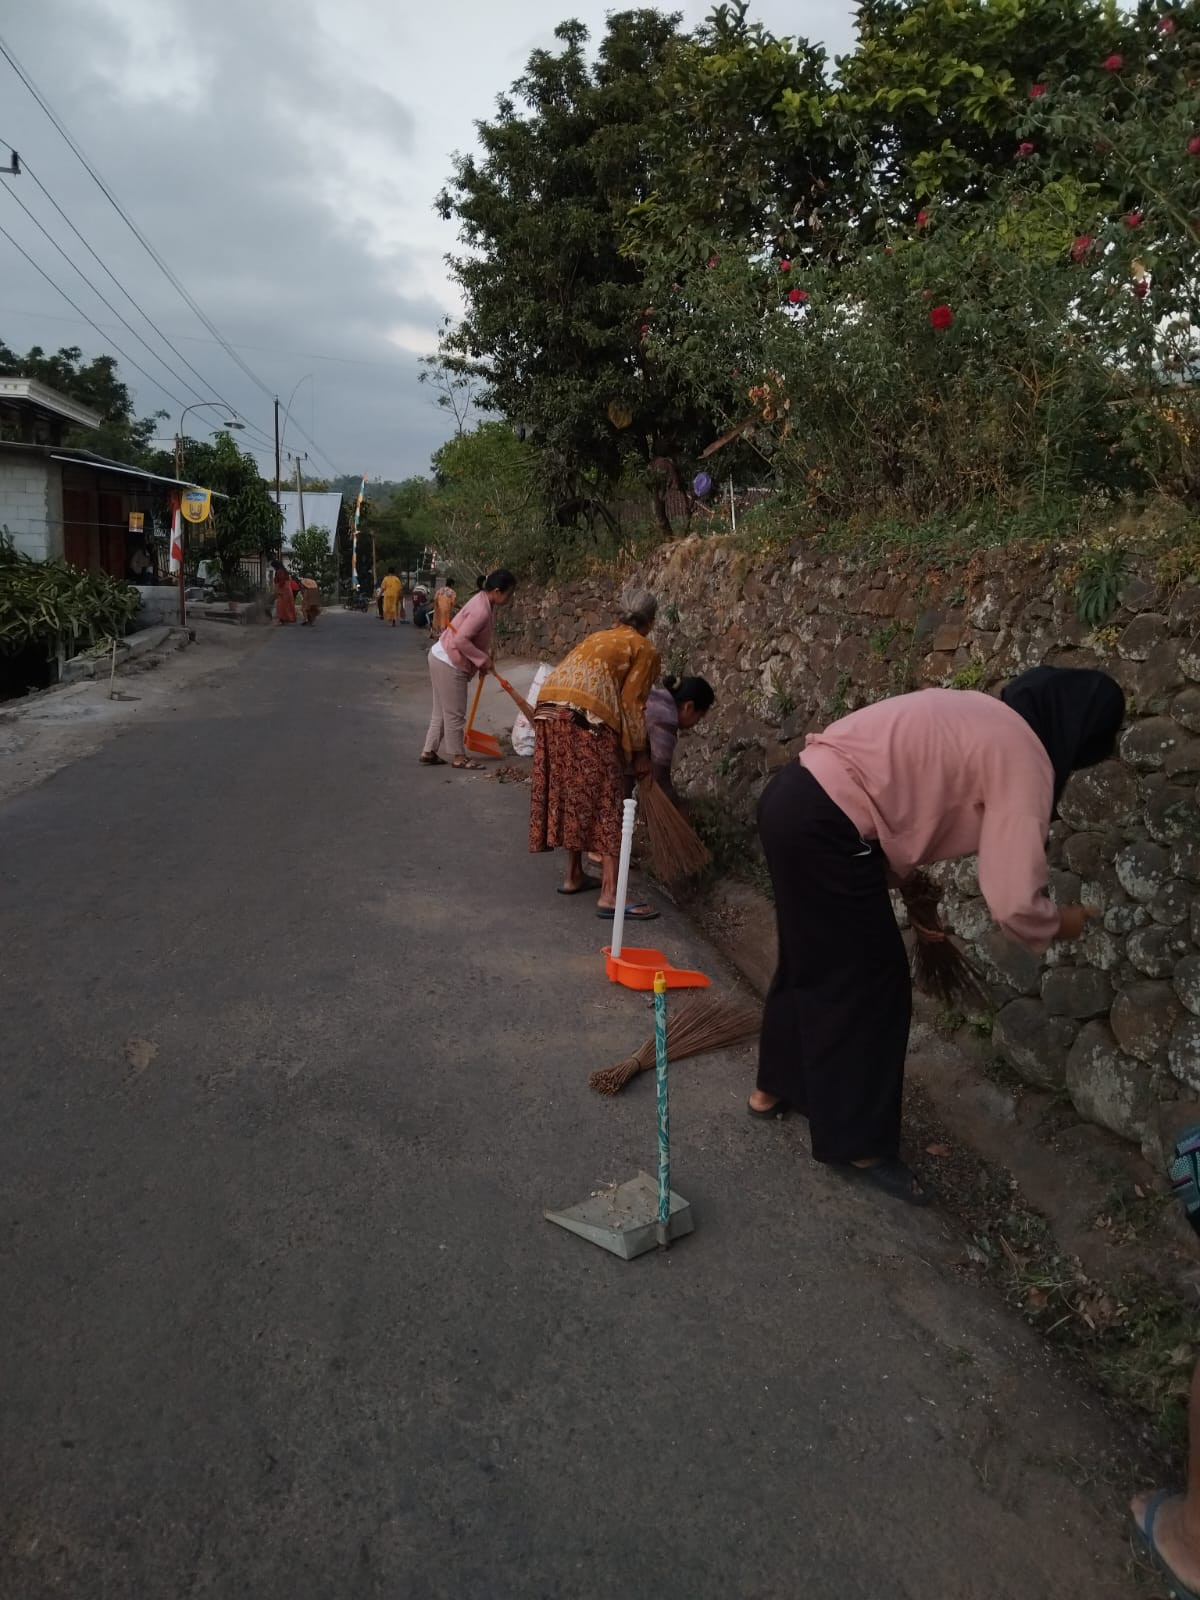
968 677
1134 1339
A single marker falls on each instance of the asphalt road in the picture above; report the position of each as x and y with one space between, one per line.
283 1103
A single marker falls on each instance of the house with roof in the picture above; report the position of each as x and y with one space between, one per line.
61 502
314 509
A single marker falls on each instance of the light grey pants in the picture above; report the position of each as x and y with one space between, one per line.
449 687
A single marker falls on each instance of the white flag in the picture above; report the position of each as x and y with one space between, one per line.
176 542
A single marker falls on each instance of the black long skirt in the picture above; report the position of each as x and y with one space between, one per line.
835 1028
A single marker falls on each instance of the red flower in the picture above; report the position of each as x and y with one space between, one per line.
1194 145
797 296
922 219
645 329
1081 247
1113 63
785 266
887 249
1166 24
941 317
924 294
1134 219
1141 288
712 260
1025 149
1037 91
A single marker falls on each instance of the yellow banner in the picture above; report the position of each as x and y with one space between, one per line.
195 503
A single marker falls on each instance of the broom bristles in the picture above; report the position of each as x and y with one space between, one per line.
939 968
705 1023
676 850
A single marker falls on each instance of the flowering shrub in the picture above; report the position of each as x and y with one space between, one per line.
1041 341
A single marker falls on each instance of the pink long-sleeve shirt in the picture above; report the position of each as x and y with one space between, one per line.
468 639
942 773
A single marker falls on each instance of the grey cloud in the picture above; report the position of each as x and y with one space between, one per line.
283 157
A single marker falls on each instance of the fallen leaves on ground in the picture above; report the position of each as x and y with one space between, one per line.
139 1053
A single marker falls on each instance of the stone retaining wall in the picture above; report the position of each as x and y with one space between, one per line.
792 643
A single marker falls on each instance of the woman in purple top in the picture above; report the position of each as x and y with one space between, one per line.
673 707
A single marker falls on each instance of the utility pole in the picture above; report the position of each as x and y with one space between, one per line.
300 490
171 535
277 451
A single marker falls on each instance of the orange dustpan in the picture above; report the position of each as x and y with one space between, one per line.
636 968
480 744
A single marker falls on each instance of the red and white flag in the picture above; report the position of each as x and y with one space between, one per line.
176 560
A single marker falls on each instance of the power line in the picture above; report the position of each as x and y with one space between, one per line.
142 312
308 438
8 189
267 349
215 403
161 387
171 277
125 217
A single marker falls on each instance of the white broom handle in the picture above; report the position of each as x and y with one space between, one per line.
627 821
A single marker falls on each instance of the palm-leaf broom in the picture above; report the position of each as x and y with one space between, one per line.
705 1023
676 851
939 968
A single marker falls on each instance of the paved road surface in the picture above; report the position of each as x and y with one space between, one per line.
281 1318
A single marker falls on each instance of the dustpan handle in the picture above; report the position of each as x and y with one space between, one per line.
629 813
474 705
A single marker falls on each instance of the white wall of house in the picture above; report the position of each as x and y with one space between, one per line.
31 504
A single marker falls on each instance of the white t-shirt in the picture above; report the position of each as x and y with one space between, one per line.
442 656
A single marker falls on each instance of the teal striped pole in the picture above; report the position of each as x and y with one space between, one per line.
664 1110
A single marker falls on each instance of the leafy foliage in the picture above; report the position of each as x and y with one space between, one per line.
55 606
312 556
1102 574
483 510
953 272
95 383
247 522
556 306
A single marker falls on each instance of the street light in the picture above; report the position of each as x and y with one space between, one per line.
229 423
280 433
199 405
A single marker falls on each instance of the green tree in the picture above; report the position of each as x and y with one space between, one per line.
246 522
557 314
483 508
312 556
121 436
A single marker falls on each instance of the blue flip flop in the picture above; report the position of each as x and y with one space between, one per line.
1179 1590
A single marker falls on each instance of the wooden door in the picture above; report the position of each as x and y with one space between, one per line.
78 524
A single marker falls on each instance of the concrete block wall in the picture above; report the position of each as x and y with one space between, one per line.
31 505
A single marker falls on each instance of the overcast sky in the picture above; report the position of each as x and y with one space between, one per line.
282 156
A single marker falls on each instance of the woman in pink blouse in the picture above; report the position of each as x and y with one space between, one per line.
921 778
463 649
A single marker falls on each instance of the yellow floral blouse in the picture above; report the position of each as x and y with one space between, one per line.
608 677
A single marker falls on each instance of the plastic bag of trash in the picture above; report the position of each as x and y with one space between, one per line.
522 734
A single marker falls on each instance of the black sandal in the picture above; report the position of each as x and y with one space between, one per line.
893 1177
588 886
775 1113
430 758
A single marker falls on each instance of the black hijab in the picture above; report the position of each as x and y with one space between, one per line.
1076 713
